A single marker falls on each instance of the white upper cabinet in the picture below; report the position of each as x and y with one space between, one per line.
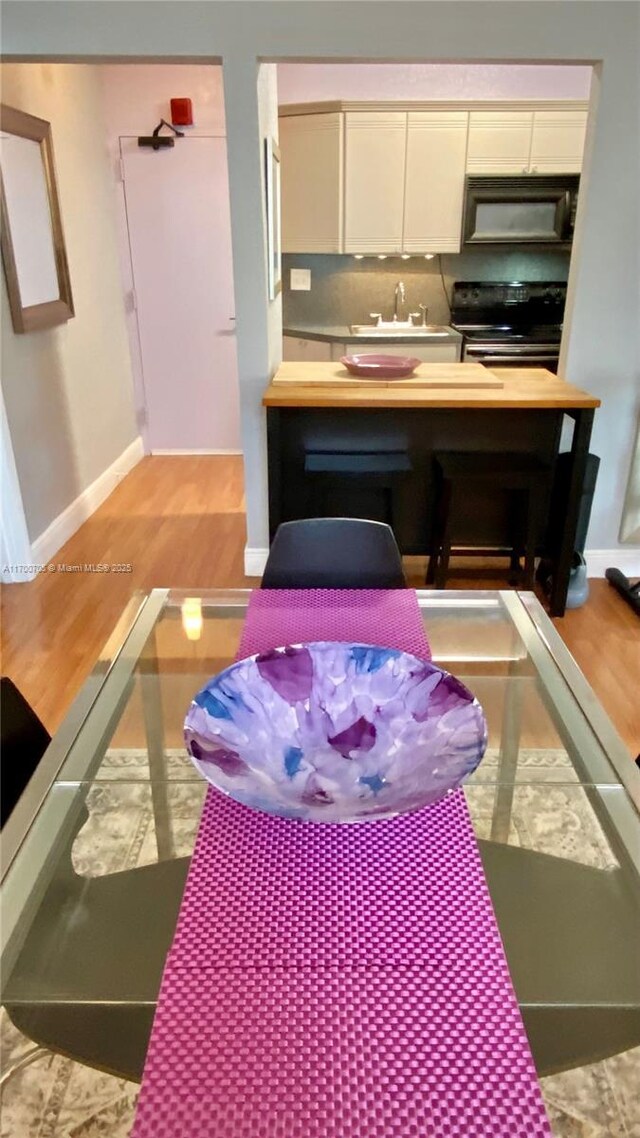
392 181
526 142
311 168
499 142
375 147
434 190
557 142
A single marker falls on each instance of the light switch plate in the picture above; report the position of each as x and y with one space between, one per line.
300 280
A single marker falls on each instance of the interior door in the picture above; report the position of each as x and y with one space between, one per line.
177 203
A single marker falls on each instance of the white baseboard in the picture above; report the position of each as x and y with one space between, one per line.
196 452
627 560
255 559
65 525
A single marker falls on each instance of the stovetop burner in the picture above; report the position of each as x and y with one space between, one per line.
513 311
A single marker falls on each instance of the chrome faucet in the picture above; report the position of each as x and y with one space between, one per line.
399 294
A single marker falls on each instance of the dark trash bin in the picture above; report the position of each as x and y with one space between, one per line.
578 588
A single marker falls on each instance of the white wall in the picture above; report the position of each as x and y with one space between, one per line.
252 115
602 347
313 82
68 390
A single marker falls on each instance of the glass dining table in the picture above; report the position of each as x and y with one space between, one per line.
96 852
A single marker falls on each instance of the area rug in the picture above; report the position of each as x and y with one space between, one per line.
56 1098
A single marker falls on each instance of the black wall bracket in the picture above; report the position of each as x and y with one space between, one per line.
157 141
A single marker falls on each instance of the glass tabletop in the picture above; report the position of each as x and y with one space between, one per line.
95 856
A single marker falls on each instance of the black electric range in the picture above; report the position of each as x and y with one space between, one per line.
510 323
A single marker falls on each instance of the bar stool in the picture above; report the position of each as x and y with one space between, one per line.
379 470
516 474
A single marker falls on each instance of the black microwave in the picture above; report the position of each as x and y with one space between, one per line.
518 210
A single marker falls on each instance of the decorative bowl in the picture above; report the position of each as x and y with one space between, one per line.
335 732
380 366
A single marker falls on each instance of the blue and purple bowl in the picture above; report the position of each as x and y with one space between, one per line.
335 732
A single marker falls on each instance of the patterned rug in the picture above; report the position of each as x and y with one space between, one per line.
57 1098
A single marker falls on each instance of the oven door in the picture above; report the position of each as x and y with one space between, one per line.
532 210
512 355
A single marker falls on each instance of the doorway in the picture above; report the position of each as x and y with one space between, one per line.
179 237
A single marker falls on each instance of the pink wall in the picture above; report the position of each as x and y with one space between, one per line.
135 96
310 82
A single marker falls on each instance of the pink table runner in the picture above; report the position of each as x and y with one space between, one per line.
337 981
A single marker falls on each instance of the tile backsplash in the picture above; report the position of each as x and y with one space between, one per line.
345 290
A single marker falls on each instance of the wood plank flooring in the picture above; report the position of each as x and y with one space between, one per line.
179 522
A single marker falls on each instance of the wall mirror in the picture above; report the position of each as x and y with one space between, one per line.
33 251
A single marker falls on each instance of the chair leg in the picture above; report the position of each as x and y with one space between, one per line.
445 544
389 512
514 567
530 549
436 538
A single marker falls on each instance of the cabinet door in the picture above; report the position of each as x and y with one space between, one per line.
434 191
311 164
374 181
429 353
557 142
296 349
499 142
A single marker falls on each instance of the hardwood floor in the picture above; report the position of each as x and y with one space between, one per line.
179 522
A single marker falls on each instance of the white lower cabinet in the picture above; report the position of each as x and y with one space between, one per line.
433 353
293 348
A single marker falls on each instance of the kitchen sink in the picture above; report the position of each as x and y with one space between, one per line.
400 329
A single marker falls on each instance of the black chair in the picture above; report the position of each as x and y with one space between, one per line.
128 922
334 553
96 940
377 472
522 477
24 739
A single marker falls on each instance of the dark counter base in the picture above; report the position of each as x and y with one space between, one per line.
293 431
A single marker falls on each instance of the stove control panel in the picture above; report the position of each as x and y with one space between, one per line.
498 294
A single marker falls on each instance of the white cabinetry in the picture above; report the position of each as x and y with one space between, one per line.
311 168
526 142
432 353
381 180
375 145
499 142
434 190
557 142
296 349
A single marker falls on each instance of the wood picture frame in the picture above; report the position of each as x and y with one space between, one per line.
35 274
274 235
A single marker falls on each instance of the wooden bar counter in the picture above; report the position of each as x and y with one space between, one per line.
442 407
